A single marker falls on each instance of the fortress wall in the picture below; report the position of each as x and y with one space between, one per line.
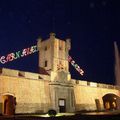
29 75
85 96
32 91
31 95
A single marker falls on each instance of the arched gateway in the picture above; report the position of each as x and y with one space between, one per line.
8 104
111 101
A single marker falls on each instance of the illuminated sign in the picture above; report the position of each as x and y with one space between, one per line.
76 66
30 50
18 54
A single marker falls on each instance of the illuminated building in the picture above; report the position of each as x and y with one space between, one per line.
53 87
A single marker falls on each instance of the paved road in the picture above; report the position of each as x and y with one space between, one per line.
114 112
113 115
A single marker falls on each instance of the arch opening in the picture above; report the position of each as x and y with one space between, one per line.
111 101
8 104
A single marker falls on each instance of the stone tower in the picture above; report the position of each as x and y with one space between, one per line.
53 58
53 54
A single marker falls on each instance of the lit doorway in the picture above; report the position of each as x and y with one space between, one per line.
62 105
9 103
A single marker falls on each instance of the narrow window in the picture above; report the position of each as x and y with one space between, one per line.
60 48
45 48
46 63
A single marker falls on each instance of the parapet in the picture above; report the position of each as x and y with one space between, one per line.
94 84
9 72
27 75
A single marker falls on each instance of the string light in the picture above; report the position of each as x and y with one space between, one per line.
76 66
27 51
13 56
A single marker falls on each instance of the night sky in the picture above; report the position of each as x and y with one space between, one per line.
92 25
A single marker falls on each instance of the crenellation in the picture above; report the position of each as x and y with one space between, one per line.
31 75
93 84
110 86
10 72
117 87
84 83
23 74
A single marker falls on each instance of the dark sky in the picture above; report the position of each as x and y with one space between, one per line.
92 25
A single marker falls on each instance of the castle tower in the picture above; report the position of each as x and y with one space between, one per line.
53 54
53 57
117 64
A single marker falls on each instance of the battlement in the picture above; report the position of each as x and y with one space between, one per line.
27 75
36 76
9 72
94 84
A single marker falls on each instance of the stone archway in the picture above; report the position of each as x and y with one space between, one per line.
8 104
111 101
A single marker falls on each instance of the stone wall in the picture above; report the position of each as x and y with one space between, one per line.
87 92
36 93
32 95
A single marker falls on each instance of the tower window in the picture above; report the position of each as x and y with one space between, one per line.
46 63
45 48
60 48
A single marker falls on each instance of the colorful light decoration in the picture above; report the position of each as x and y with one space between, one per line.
75 65
18 54
27 51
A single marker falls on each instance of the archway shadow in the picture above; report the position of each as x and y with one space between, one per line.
9 102
111 101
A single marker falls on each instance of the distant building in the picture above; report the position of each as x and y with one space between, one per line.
53 87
